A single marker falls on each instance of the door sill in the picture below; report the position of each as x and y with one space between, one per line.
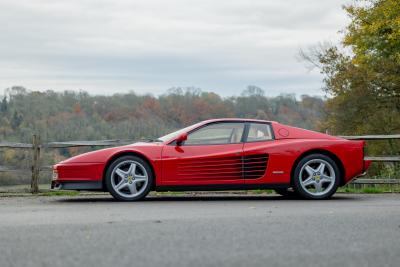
219 187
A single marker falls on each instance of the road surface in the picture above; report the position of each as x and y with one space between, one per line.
213 230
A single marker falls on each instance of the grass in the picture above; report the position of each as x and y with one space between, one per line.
58 193
377 189
169 193
351 189
260 191
45 194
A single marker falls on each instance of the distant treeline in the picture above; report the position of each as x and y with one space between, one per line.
68 115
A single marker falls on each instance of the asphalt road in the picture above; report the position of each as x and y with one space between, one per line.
349 230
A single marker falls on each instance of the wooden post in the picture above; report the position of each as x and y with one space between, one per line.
35 164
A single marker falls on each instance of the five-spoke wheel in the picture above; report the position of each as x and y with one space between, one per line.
316 177
129 178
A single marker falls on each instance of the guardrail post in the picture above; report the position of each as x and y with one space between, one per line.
35 164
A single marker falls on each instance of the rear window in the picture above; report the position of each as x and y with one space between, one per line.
259 132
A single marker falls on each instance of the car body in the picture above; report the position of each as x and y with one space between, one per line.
257 154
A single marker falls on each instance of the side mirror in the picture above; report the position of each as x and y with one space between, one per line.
181 138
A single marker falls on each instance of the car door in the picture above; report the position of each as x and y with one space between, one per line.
256 152
212 154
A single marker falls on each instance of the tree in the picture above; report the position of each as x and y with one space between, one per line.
374 36
253 90
3 105
364 83
16 120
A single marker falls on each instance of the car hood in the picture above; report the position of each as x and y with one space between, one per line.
103 155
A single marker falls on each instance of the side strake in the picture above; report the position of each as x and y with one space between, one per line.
247 167
255 166
218 168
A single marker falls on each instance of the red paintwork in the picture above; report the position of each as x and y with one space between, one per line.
221 164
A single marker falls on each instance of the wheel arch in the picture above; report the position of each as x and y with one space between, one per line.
325 152
127 153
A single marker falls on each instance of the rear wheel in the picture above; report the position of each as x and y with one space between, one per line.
316 176
129 178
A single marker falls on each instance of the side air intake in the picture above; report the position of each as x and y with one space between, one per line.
231 168
254 166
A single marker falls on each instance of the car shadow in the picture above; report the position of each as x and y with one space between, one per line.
196 197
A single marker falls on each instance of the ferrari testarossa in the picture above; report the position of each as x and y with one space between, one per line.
219 154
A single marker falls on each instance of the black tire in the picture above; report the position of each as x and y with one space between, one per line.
330 189
286 192
115 163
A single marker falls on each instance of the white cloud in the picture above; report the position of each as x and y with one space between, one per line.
106 46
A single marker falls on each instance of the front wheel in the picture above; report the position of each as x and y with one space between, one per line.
316 176
129 178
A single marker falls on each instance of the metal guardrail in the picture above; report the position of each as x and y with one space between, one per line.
383 159
371 137
376 181
36 146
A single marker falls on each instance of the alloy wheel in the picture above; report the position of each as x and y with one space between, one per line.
129 178
317 177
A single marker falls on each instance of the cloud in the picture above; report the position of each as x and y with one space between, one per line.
148 46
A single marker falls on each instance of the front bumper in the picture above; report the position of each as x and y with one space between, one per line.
78 176
77 185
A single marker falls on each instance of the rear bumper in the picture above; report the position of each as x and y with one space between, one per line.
77 185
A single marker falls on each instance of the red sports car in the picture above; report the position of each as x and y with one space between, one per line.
220 154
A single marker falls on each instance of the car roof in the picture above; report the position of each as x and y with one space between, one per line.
235 119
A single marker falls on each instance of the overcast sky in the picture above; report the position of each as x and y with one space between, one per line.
109 46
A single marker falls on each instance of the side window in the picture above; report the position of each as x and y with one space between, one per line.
217 133
259 132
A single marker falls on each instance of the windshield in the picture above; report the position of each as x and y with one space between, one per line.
176 133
